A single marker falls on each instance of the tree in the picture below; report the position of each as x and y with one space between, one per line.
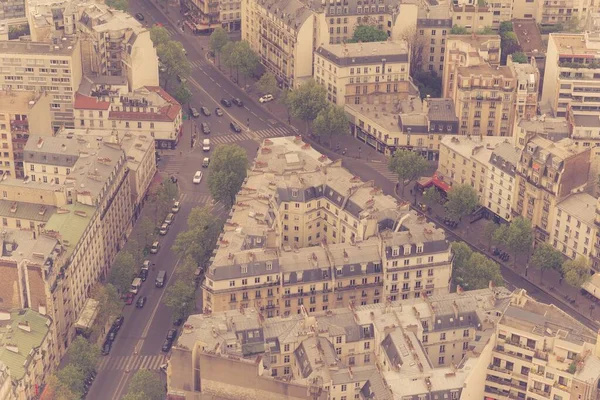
486 31
122 5
83 355
109 304
499 235
368 33
145 231
416 46
198 241
458 30
183 94
472 270
122 272
520 58
159 35
509 43
228 169
164 196
306 101
572 25
71 378
488 231
174 61
180 298
248 59
462 201
147 385
576 272
218 40
519 237
431 197
408 165
55 390
505 26
187 270
429 83
230 56
331 120
545 257
285 100
267 83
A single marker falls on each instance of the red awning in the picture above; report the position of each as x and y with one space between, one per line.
439 182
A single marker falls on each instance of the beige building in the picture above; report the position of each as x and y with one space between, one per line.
553 129
433 27
547 173
51 67
585 132
377 73
571 75
474 18
575 230
501 181
27 352
527 88
304 232
21 112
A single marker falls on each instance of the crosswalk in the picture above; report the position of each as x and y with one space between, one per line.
132 362
193 198
226 139
274 132
173 166
170 30
382 168
196 64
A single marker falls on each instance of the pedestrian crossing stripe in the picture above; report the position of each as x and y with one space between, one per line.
238 137
131 363
383 169
194 198
273 132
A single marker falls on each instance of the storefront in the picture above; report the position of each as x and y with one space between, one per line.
372 141
436 181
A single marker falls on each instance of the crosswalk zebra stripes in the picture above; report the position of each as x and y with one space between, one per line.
193 198
274 132
225 139
383 169
132 362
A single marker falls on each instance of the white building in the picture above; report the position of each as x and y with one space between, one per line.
501 180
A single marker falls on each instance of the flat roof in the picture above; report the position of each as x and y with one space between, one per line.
592 121
348 54
63 48
35 248
17 100
68 223
529 36
580 205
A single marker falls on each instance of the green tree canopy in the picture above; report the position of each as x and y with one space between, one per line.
306 101
145 230
181 299
218 40
416 46
198 241
147 385
486 31
462 201
183 94
408 165
577 271
163 198
159 35
267 83
249 60
228 169
174 61
331 120
518 236
83 355
473 270
122 5
520 58
368 33
122 271
230 56
429 83
545 257
488 231
458 30
109 304
71 378
431 196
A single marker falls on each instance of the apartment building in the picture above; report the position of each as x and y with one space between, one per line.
530 40
547 173
553 129
436 346
304 232
147 110
474 18
27 351
21 112
410 124
501 181
13 19
433 25
377 73
571 75
53 67
527 78
5 383
283 33
585 132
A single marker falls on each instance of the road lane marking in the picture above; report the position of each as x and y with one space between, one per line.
218 84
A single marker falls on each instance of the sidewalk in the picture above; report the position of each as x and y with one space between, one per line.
551 282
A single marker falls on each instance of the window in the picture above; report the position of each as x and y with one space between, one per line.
441 360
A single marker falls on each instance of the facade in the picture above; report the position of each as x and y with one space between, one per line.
411 124
547 173
585 132
473 17
571 75
53 67
305 233
147 110
553 129
375 74
501 181
27 352
21 113
526 89
13 19
433 26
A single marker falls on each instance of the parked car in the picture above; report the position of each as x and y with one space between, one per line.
170 218
140 302
172 334
194 113
266 98
164 229
237 102
205 162
118 322
146 265
205 128
219 112
128 297
106 348
139 16
235 127
154 248
178 322
111 336
143 275
181 79
205 111
226 102
167 345
175 208
197 177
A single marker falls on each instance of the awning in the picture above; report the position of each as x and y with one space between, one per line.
425 181
88 315
439 182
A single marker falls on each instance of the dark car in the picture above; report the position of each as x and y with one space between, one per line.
237 102
205 111
167 345
112 335
129 298
235 127
173 179
226 102
171 334
106 348
178 322
118 323
141 301
205 128
143 275
194 113
219 112
139 16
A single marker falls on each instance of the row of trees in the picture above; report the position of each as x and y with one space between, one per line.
472 270
236 56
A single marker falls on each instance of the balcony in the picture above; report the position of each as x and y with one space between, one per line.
18 126
540 392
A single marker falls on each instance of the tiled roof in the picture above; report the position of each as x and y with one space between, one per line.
167 112
89 103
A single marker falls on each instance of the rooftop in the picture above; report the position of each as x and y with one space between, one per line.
486 69
581 206
68 224
473 147
591 121
554 129
17 101
529 37
560 151
441 110
64 47
26 211
348 54
21 333
574 44
167 108
23 244
84 102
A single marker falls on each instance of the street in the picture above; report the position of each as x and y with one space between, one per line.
138 344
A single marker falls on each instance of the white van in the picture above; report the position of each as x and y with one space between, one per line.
206 145
135 285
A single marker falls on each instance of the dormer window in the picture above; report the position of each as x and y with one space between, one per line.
269 265
395 251
294 192
420 248
244 269
406 249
